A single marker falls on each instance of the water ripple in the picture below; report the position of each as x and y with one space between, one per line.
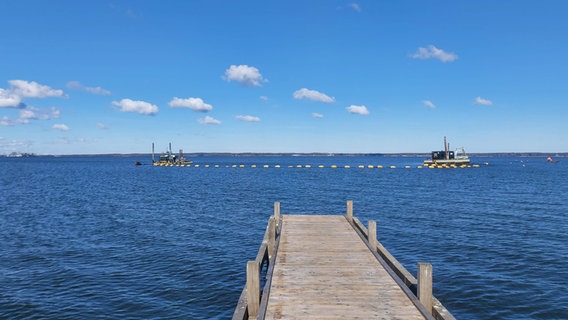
99 238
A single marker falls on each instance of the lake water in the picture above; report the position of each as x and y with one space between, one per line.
100 238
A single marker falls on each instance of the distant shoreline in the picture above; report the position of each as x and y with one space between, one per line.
292 154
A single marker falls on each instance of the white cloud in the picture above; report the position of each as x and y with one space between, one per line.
6 122
141 107
362 110
264 98
19 89
76 85
32 89
429 104
31 113
483 102
8 99
209 120
27 114
317 115
60 127
195 104
248 118
431 52
243 74
102 126
355 6
13 145
312 95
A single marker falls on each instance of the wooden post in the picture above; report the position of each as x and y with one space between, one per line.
372 234
271 236
350 210
277 213
253 289
424 289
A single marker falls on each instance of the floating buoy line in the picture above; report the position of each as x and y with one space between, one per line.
308 166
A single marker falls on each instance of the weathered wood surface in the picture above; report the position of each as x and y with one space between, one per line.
324 270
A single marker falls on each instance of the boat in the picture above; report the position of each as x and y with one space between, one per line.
550 160
447 157
168 158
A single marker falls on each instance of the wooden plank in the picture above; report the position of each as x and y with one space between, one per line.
253 288
424 289
324 270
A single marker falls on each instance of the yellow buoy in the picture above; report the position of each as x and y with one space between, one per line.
333 166
253 166
379 167
321 166
370 166
347 167
308 166
265 166
393 167
407 167
277 166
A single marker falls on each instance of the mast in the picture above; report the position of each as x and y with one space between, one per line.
152 152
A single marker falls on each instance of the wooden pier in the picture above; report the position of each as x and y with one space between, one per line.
332 267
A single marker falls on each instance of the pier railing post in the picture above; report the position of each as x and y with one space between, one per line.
350 210
271 236
277 213
253 289
424 289
372 234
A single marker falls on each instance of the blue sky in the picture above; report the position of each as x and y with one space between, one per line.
85 77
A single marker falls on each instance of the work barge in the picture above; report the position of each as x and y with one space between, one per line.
170 159
332 267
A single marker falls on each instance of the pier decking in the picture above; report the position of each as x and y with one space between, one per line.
332 267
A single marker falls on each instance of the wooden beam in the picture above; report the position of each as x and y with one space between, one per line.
277 213
372 237
253 289
424 289
349 210
271 236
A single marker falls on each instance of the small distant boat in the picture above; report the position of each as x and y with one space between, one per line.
168 158
447 157
549 159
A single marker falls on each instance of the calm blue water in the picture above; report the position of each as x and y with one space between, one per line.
99 238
